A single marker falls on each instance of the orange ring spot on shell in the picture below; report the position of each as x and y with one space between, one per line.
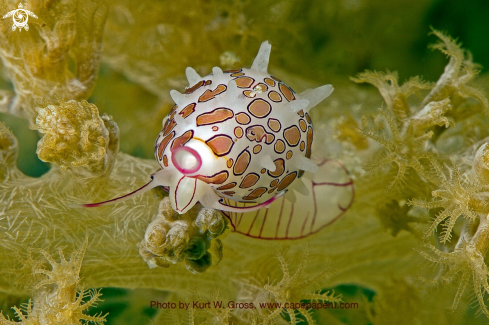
238 132
229 162
259 134
249 180
194 87
242 162
270 138
218 178
255 194
244 82
286 91
309 142
183 139
289 154
292 135
269 82
227 186
274 96
274 124
187 110
221 144
303 145
164 143
210 94
242 118
308 118
169 125
259 108
303 125
287 180
218 115
279 146
165 160
257 148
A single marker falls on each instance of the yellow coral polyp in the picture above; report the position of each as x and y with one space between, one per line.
459 71
171 238
74 136
63 33
457 198
59 298
395 96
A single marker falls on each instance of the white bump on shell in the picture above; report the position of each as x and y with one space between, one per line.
315 96
290 196
261 61
267 162
299 186
217 72
298 104
231 92
192 76
306 164
177 97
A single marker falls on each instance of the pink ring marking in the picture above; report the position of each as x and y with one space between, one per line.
193 153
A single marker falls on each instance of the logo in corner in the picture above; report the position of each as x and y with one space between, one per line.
20 17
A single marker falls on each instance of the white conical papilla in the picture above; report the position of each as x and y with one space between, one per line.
298 104
306 164
300 187
192 76
217 72
267 162
316 95
261 61
231 93
290 196
177 97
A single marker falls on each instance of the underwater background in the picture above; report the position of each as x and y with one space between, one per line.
419 157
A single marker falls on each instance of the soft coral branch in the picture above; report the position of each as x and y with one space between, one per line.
458 72
395 96
456 197
404 148
58 298
38 62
